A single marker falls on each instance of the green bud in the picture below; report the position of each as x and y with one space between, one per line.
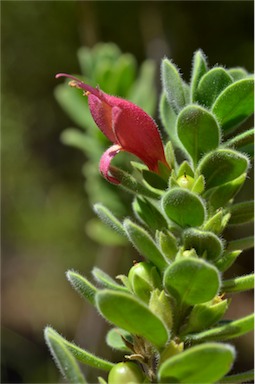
126 373
144 278
161 305
186 253
185 181
204 315
217 222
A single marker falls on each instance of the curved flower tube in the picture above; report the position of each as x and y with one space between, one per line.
126 125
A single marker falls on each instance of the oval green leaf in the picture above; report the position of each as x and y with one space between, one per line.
172 85
115 339
205 363
198 131
228 331
203 241
82 286
212 84
192 281
106 281
149 214
129 313
222 166
235 104
109 219
218 197
242 212
145 244
199 68
64 359
184 207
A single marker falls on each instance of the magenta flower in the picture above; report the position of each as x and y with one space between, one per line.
126 125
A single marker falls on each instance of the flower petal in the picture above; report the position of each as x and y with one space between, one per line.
105 162
102 115
138 133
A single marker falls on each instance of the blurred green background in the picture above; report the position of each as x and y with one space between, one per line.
44 205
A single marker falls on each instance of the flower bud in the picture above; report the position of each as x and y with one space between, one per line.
143 278
125 373
204 315
160 304
185 181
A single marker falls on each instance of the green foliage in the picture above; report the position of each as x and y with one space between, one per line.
174 298
184 207
235 104
82 286
205 243
186 278
130 314
198 131
204 363
144 244
63 357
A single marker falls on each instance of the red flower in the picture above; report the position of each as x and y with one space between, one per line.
126 125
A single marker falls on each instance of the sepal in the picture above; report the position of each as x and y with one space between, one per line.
167 243
205 315
161 305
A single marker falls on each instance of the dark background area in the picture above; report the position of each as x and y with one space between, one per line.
44 205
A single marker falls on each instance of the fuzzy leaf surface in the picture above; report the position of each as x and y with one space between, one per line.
212 84
172 85
222 166
144 244
199 68
129 313
198 131
205 363
192 281
63 357
228 331
234 104
238 284
82 286
184 207
203 241
242 212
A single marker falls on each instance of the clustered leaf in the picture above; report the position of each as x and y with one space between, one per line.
167 312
